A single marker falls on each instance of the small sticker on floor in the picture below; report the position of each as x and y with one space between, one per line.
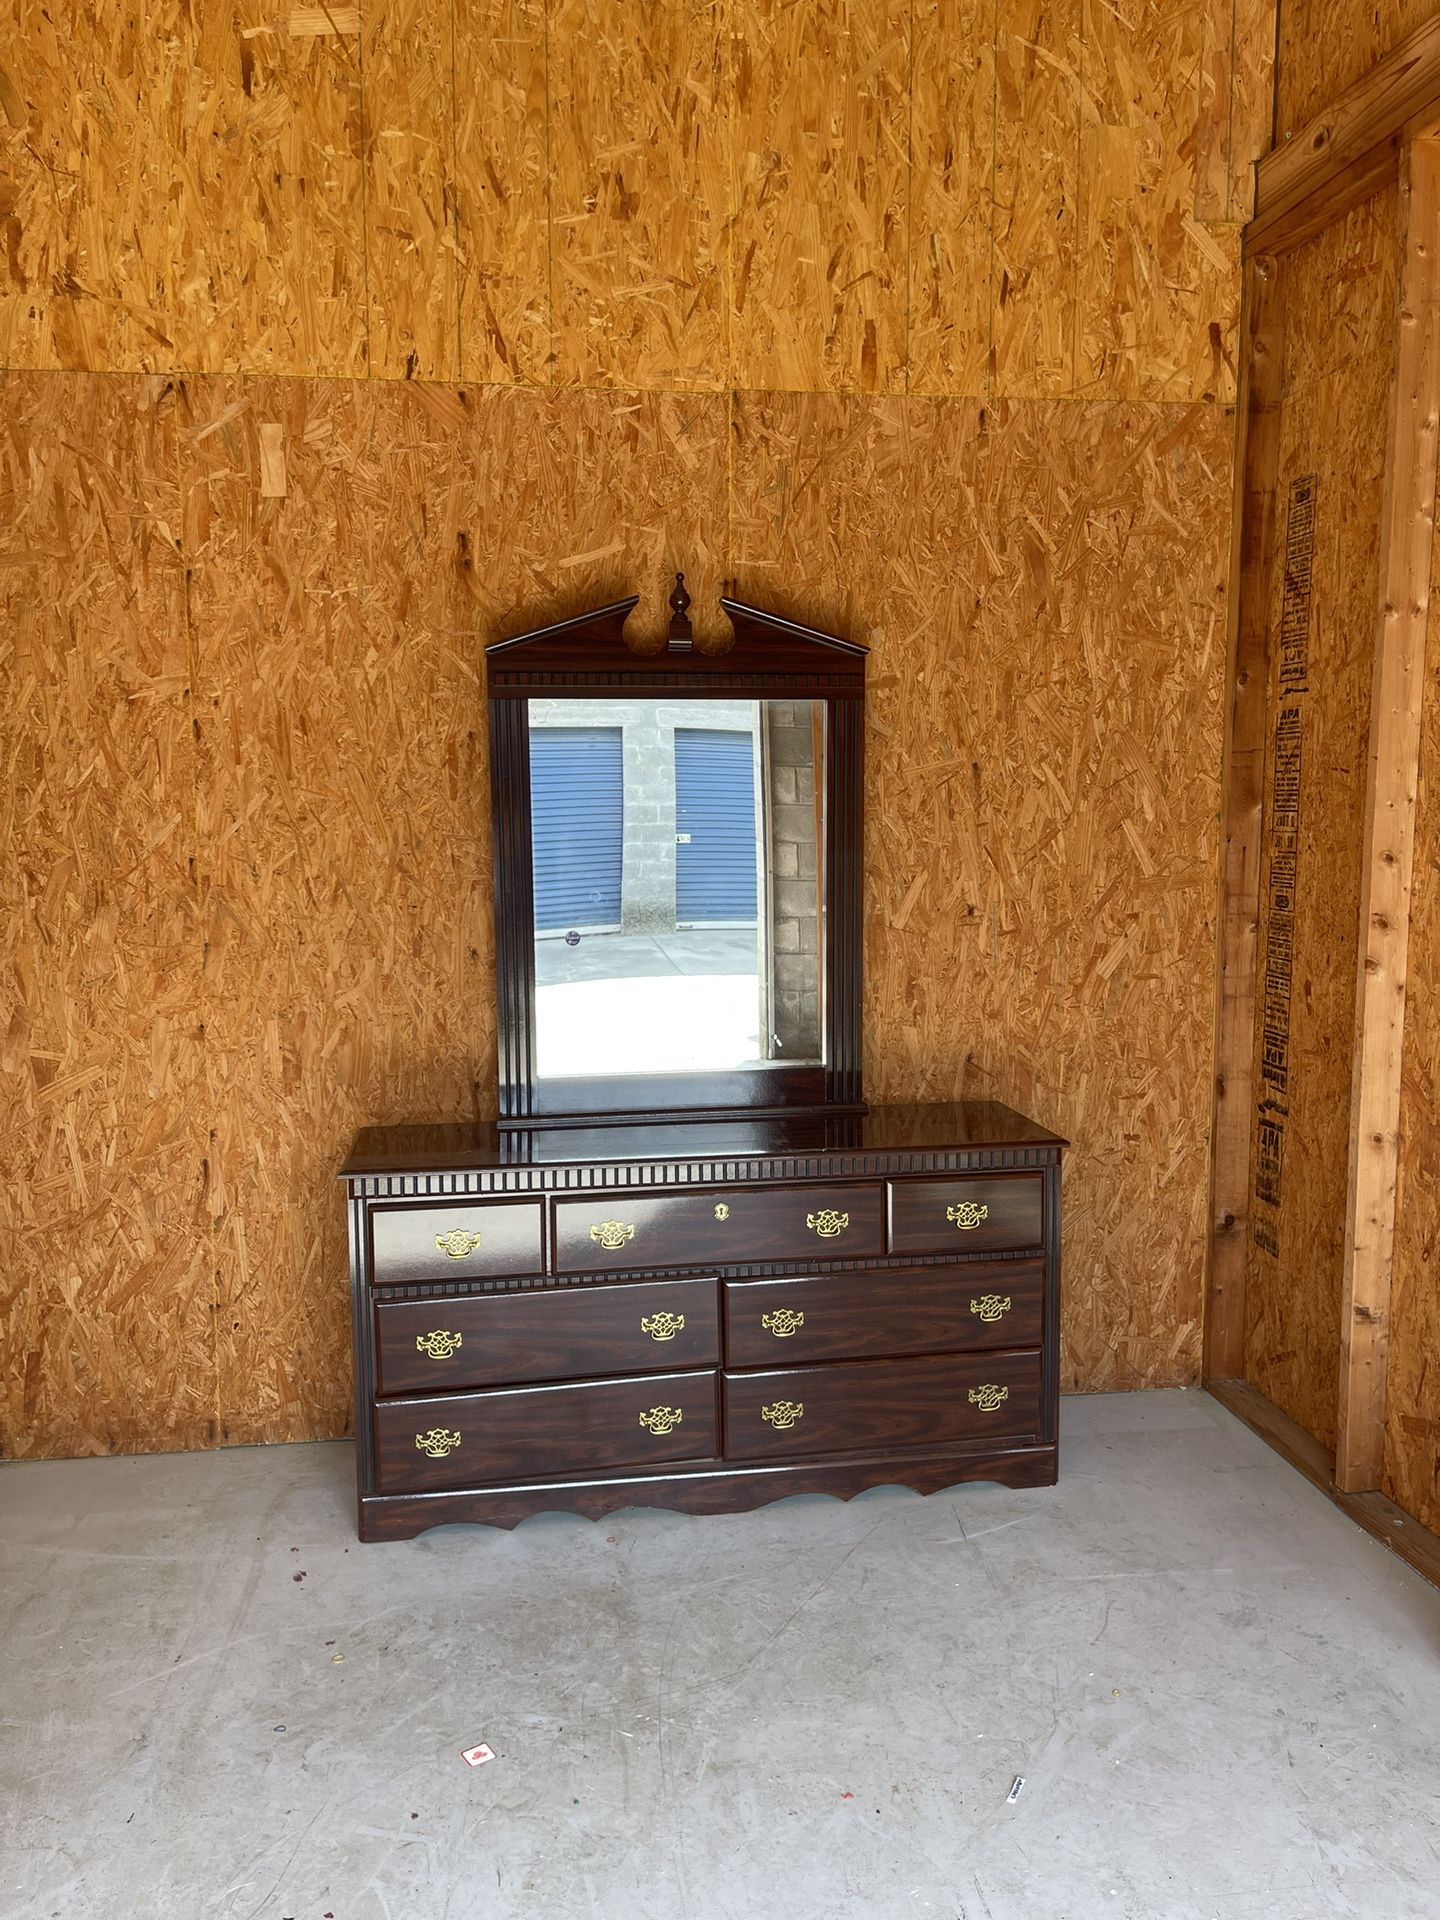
1017 1787
477 1756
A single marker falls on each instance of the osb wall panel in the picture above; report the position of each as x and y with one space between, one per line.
502 190
411 251
267 238
641 193
604 220
1036 190
1043 738
1340 317
960 197
1412 1401
89 122
106 1278
821 165
1326 45
952 148
1158 299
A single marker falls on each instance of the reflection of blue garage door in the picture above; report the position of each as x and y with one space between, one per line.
715 806
576 826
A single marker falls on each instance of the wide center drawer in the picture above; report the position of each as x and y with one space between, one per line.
996 1213
882 1404
461 1440
559 1334
859 1316
721 1226
475 1239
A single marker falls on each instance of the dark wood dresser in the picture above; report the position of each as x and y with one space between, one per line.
703 1316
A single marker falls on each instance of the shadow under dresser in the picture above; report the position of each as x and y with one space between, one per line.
705 1316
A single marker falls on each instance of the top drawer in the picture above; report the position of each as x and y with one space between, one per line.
464 1242
1000 1213
723 1226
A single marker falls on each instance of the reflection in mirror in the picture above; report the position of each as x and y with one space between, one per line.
677 848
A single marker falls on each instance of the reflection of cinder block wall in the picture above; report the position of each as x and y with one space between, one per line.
647 887
794 904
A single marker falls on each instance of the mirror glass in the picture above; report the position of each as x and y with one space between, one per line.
676 849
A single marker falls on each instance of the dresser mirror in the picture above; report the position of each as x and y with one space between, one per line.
676 849
677 857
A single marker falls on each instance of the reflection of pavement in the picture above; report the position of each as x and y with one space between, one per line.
676 1023
648 1003
636 956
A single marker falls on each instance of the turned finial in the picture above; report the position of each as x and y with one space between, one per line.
680 630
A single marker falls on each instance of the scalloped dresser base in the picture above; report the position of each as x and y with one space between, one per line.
714 1490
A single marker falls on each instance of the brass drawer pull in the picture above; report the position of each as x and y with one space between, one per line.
663 1326
783 1414
457 1243
440 1344
612 1234
438 1442
990 1398
991 1307
783 1322
968 1214
661 1419
827 1223
722 1212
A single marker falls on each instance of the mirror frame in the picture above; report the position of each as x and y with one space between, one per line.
587 657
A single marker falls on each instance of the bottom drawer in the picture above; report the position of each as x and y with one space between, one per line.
465 1439
876 1405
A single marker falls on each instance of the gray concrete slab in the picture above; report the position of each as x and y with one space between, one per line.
1223 1699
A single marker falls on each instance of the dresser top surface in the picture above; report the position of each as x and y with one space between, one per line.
466 1149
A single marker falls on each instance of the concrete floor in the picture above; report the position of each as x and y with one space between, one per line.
1223 1699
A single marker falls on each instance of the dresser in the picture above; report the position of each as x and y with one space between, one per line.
704 1316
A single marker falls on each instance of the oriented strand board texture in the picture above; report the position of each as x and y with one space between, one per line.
107 1282
1326 45
1412 1406
1025 200
1340 315
641 193
411 323
90 117
1044 735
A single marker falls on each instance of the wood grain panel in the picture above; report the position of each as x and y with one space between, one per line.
821 165
424 1346
106 1286
952 161
268 241
533 1430
410 1246
859 1316
407 66
640 192
1000 1214
502 190
721 1226
1339 314
88 106
1036 183
1043 590
1158 292
882 1403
